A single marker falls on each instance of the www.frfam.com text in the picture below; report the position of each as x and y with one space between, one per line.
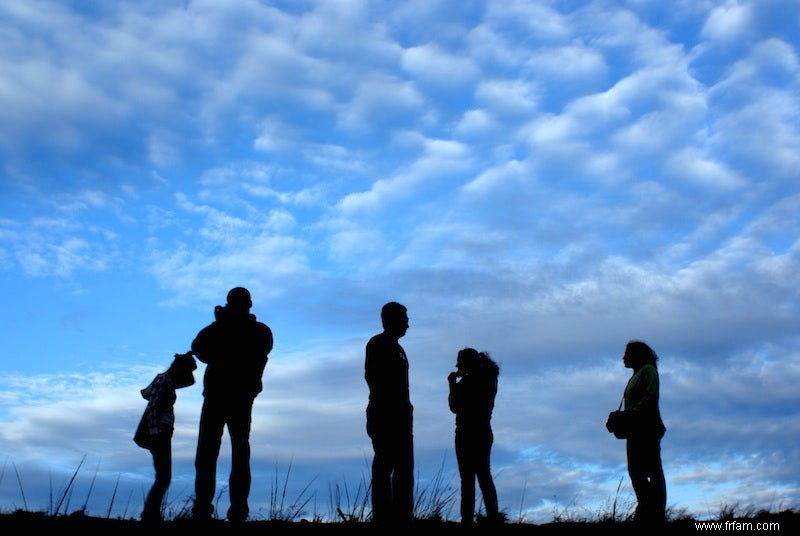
737 525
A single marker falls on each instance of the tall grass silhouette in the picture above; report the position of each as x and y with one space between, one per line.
434 504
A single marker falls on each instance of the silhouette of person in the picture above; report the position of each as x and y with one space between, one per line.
159 425
390 420
643 445
235 349
473 387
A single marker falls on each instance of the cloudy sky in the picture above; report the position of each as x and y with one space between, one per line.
542 180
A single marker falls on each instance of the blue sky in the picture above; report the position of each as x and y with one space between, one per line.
540 180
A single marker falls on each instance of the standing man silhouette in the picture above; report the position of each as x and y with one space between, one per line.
234 348
390 420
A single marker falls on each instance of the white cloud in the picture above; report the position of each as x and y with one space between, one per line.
432 65
728 22
538 180
567 63
539 21
379 99
512 98
689 165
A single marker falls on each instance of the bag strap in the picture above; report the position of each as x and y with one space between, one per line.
621 402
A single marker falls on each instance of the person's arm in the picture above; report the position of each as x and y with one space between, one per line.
378 373
262 355
203 345
646 390
371 368
489 394
269 341
453 399
265 347
164 398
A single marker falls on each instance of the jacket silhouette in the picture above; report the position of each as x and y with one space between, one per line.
235 349
473 387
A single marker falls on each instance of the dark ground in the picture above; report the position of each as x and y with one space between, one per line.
32 523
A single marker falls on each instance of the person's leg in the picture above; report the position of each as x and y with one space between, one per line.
647 478
381 478
637 474
483 471
162 463
209 440
239 422
466 472
657 482
403 477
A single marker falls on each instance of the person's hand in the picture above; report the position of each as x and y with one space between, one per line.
452 377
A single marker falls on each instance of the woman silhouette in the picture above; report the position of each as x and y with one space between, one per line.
157 426
473 387
643 445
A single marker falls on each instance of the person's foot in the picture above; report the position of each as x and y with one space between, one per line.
152 517
237 515
201 514
498 518
649 519
379 520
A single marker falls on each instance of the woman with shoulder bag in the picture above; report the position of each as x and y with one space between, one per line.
157 425
643 443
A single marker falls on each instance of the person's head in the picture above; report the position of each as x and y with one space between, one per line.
181 370
238 300
394 318
469 360
637 354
